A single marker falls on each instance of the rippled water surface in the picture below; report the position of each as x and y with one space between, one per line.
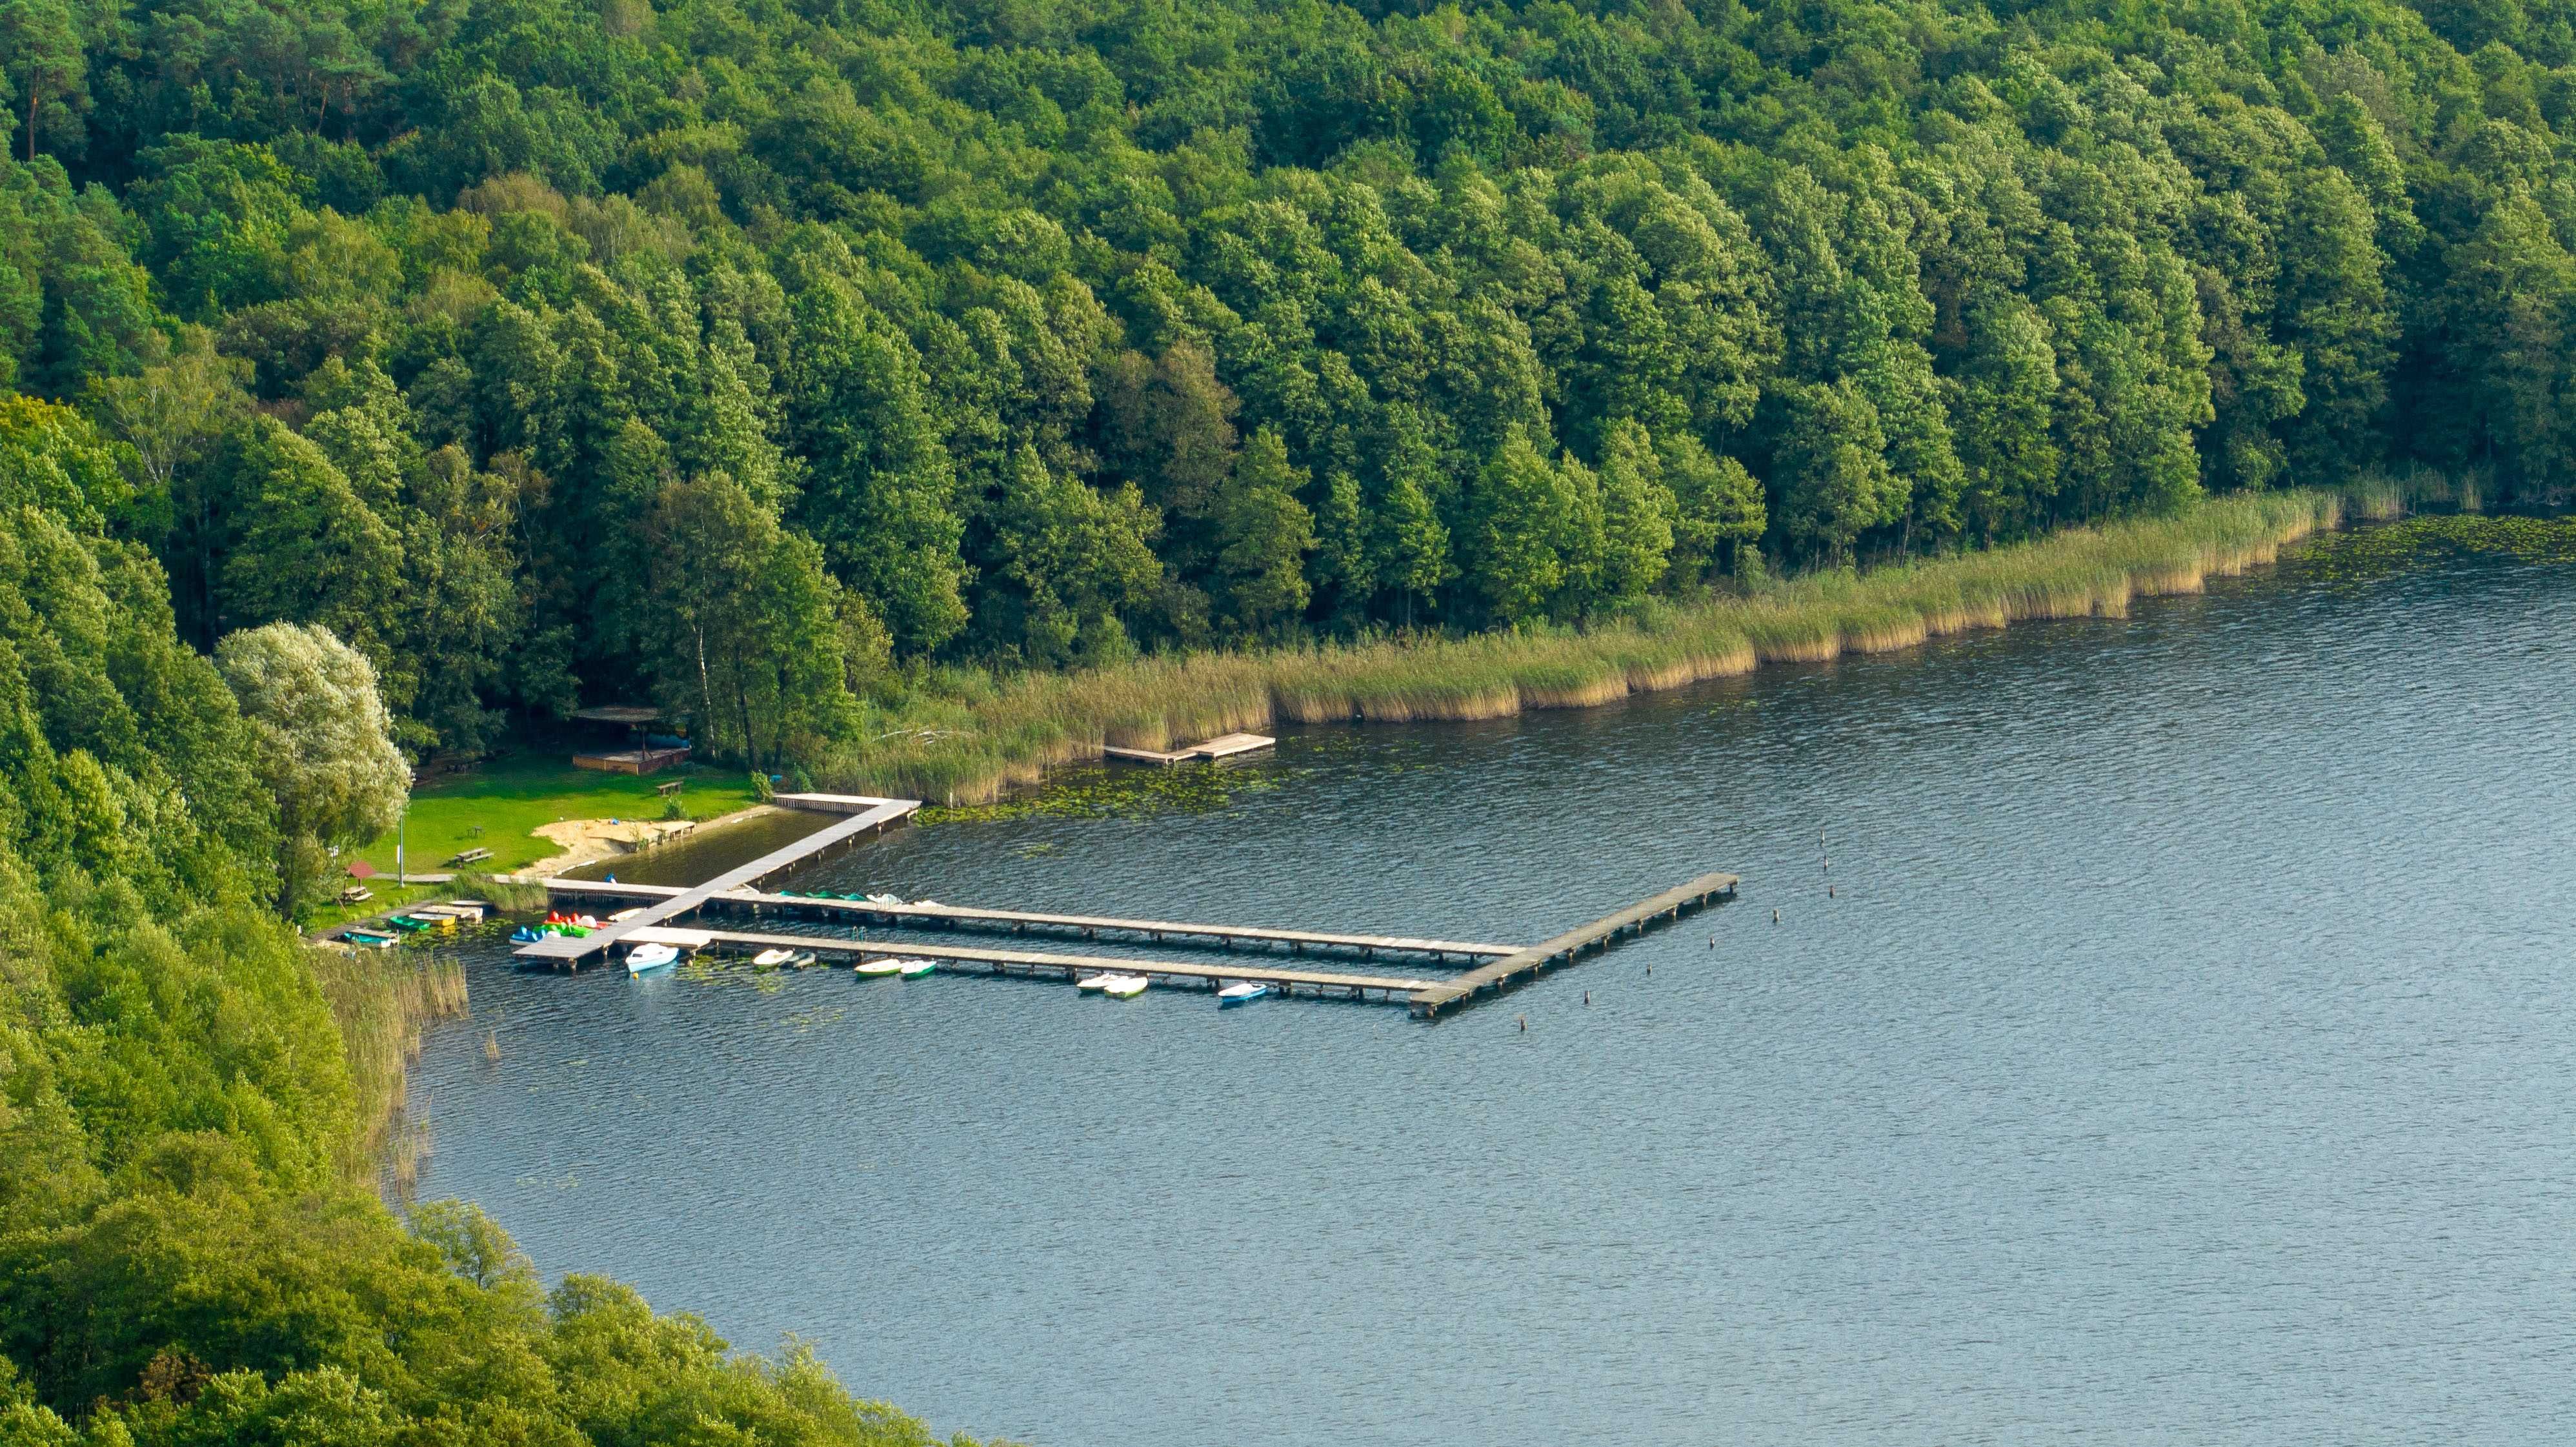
2183 1056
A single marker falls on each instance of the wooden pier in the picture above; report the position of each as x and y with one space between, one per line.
1158 931
569 951
1323 984
1505 966
1563 949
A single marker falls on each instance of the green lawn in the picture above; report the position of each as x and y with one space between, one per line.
331 916
495 806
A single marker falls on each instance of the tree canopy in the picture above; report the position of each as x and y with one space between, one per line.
190 1248
1038 336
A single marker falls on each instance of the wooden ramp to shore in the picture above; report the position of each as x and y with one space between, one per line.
1602 932
568 951
1322 984
1158 931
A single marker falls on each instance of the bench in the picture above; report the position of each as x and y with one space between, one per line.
669 789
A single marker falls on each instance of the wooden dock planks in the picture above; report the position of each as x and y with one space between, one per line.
1155 929
1425 997
567 950
1066 966
1503 972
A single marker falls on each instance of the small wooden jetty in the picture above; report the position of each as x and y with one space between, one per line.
1158 931
1563 949
827 803
1223 747
569 951
1321 984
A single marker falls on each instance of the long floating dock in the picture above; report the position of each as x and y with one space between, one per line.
875 814
1322 983
1602 932
1022 921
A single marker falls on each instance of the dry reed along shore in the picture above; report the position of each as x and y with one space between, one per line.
383 1001
971 736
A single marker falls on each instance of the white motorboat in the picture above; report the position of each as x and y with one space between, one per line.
650 957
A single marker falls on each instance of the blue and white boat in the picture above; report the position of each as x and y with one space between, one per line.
1243 994
650 957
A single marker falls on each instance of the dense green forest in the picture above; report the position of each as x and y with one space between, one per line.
191 1251
743 356
789 361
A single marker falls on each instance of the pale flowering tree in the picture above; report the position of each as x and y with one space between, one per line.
322 742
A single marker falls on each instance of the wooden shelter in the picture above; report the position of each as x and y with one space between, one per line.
638 757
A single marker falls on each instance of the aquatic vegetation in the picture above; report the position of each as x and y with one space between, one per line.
382 1003
975 737
1121 793
2372 554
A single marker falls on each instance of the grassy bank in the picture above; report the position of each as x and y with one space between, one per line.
976 735
495 806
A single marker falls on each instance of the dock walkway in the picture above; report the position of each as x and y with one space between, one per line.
1503 972
1322 983
1021 921
564 949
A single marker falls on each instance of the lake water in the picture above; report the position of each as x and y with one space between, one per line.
2184 1055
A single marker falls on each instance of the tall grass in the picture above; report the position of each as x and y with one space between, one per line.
511 896
382 1000
973 735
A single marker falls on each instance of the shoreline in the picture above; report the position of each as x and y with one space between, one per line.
590 846
987 736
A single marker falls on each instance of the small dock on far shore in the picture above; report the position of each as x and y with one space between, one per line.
1226 746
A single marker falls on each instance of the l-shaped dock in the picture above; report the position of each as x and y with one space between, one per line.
1600 934
655 908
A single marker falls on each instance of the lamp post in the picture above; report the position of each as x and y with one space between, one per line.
402 825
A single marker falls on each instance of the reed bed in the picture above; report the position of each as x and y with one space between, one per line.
382 1001
968 737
